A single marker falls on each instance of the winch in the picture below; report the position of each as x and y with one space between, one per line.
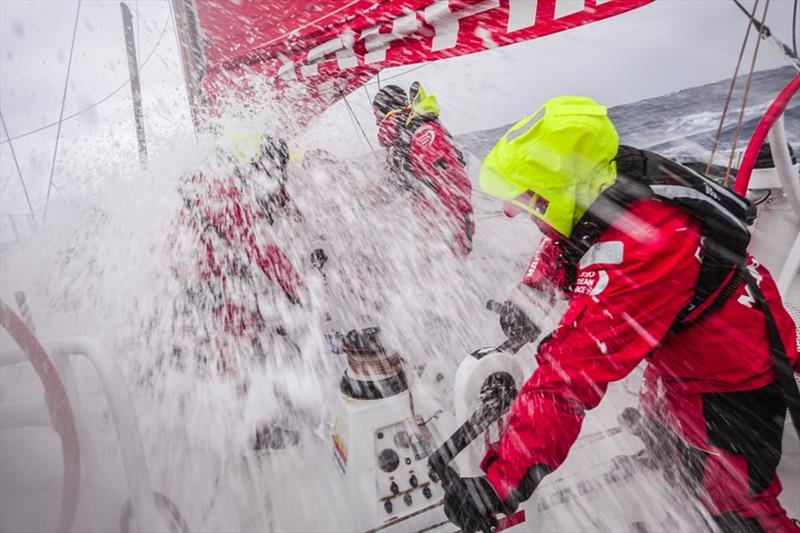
386 428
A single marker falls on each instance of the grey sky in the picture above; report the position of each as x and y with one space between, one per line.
657 49
654 50
34 49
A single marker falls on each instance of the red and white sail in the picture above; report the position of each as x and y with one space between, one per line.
327 48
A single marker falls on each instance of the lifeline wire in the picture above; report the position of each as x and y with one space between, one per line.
102 100
354 117
718 135
61 115
16 163
744 97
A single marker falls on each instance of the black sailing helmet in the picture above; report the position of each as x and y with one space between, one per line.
389 98
273 154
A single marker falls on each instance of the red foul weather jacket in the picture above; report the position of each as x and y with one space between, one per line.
424 149
232 240
629 288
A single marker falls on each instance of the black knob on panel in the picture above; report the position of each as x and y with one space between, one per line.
388 460
394 488
387 506
413 481
426 491
407 498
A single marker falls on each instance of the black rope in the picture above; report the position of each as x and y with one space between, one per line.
766 33
102 100
753 20
61 115
786 380
16 163
764 199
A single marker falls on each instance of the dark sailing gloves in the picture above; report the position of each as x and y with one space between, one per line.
471 503
518 328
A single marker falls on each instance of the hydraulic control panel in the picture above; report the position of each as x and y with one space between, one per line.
404 482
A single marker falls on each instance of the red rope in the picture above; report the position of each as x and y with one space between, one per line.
61 415
775 110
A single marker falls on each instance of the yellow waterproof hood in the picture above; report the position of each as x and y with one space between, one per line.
242 142
423 104
562 154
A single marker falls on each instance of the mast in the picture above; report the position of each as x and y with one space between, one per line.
192 59
136 89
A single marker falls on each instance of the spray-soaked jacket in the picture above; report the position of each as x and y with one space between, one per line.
627 290
422 155
235 249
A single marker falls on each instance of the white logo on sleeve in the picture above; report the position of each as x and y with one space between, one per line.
591 282
425 136
603 253
594 282
749 299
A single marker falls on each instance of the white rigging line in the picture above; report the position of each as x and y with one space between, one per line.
369 97
102 100
61 115
355 118
19 172
409 71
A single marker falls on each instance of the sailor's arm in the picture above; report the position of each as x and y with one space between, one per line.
623 304
531 306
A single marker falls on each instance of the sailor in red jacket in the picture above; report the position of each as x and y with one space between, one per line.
422 155
228 216
711 394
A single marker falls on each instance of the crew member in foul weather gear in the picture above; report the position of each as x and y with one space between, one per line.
271 164
652 271
225 210
423 160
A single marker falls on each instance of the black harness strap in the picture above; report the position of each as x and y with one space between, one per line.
638 172
401 156
401 151
723 268
789 387
681 322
